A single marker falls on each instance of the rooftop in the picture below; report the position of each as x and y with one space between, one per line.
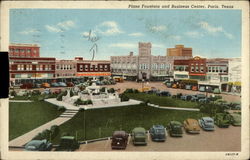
24 45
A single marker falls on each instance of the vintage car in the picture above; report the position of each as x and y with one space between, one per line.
191 126
202 89
163 93
45 85
235 119
207 123
194 88
204 100
186 97
188 87
38 145
222 120
139 136
174 86
54 84
169 85
119 140
62 84
175 129
196 97
158 133
216 91
68 143
22 93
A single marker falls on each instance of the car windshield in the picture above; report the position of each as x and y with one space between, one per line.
139 134
160 131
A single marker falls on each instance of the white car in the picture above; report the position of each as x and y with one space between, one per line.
22 93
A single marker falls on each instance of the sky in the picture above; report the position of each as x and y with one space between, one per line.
67 33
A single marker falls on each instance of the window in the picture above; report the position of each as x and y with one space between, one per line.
196 69
28 50
81 67
192 69
17 50
201 69
22 50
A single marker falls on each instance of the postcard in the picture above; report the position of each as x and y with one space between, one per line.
126 80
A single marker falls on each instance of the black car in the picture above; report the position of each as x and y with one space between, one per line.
158 133
38 145
163 93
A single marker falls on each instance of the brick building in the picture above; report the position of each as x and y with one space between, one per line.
24 50
89 68
179 50
197 68
27 65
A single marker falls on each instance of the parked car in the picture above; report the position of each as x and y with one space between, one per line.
169 85
62 84
235 106
202 89
163 93
22 93
158 133
175 129
68 143
45 85
139 136
38 85
235 119
70 84
46 91
55 84
56 91
194 88
119 140
191 126
26 86
38 145
204 100
222 120
186 97
188 87
196 97
216 91
175 86
207 123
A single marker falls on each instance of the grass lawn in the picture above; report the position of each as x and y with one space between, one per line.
24 117
102 122
162 100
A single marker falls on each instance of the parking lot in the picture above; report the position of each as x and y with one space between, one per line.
222 139
159 85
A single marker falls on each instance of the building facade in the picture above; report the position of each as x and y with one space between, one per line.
65 68
144 65
181 69
31 69
24 50
197 68
96 68
179 50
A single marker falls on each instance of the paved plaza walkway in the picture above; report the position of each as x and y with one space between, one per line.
22 101
174 108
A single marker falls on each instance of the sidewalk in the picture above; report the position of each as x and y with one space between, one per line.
72 107
24 101
22 140
174 108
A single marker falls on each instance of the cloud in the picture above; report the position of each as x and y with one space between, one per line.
91 34
109 28
61 26
194 34
136 34
123 45
29 31
66 24
158 28
51 28
214 30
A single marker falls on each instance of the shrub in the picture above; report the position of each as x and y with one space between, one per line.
111 90
130 90
179 95
136 91
102 89
65 134
89 102
61 108
71 93
54 131
41 98
124 97
212 108
37 137
46 134
13 93
59 97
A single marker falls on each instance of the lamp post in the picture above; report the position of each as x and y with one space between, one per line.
206 90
